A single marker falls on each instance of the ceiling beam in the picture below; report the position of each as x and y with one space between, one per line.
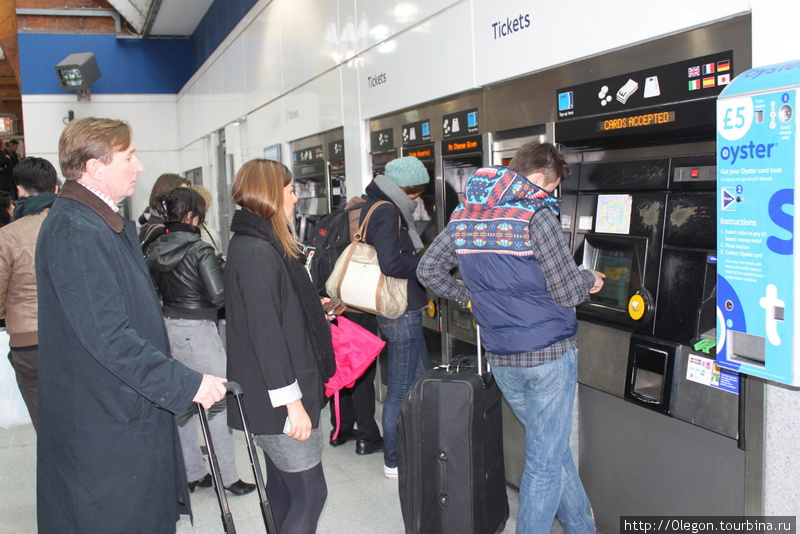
135 12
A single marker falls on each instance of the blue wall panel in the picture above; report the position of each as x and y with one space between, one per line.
126 65
216 24
130 65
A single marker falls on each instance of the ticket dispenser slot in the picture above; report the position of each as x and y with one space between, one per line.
650 373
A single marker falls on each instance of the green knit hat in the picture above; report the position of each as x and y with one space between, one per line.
407 171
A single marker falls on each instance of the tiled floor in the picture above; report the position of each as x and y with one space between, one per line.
360 498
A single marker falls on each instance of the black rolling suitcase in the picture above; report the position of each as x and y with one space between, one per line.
450 452
227 519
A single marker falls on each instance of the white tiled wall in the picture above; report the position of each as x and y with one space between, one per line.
262 70
152 117
309 39
379 20
402 71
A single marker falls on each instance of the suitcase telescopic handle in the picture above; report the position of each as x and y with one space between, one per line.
480 351
233 388
266 509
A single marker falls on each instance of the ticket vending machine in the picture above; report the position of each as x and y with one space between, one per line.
382 149
463 151
336 171
318 170
661 425
757 161
461 157
446 137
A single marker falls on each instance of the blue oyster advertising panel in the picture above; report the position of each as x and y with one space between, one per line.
757 162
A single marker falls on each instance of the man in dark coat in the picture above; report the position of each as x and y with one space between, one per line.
109 460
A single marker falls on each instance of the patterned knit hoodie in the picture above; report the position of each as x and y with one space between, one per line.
490 230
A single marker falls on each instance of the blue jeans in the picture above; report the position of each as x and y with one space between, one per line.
408 360
542 397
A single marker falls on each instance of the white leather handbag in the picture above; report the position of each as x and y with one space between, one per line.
357 278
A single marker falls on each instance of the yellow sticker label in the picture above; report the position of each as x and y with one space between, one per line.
636 307
431 309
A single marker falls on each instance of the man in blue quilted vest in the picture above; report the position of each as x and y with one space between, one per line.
522 285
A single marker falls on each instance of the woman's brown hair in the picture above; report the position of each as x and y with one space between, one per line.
258 188
164 184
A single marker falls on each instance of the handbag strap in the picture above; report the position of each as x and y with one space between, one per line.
361 234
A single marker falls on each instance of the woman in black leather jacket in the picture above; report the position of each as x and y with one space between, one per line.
188 275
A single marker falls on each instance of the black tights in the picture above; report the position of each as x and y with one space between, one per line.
296 498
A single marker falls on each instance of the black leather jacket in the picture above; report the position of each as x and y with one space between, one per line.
188 275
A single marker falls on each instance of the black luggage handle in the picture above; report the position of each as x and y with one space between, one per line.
468 362
233 388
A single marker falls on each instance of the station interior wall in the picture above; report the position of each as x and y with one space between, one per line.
294 68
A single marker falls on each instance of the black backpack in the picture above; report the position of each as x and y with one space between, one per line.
326 243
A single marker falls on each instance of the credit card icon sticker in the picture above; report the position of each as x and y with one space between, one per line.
627 90
651 87
566 101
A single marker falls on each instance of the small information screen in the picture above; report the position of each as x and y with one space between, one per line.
636 121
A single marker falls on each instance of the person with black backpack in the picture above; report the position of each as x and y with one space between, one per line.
327 241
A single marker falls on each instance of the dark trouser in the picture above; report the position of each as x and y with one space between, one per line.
296 498
357 404
26 366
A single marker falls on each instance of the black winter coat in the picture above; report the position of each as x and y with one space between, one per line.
267 335
188 275
388 233
109 459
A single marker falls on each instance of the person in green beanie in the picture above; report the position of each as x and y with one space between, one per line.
393 233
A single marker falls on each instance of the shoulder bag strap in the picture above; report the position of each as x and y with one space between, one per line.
149 233
361 235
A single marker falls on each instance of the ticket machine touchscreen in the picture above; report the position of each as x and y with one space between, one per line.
616 265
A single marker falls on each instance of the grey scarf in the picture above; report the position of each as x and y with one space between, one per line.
406 206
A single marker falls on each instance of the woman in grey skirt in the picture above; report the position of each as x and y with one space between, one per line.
188 275
279 342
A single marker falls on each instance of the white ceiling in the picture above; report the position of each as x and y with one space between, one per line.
179 17
164 17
